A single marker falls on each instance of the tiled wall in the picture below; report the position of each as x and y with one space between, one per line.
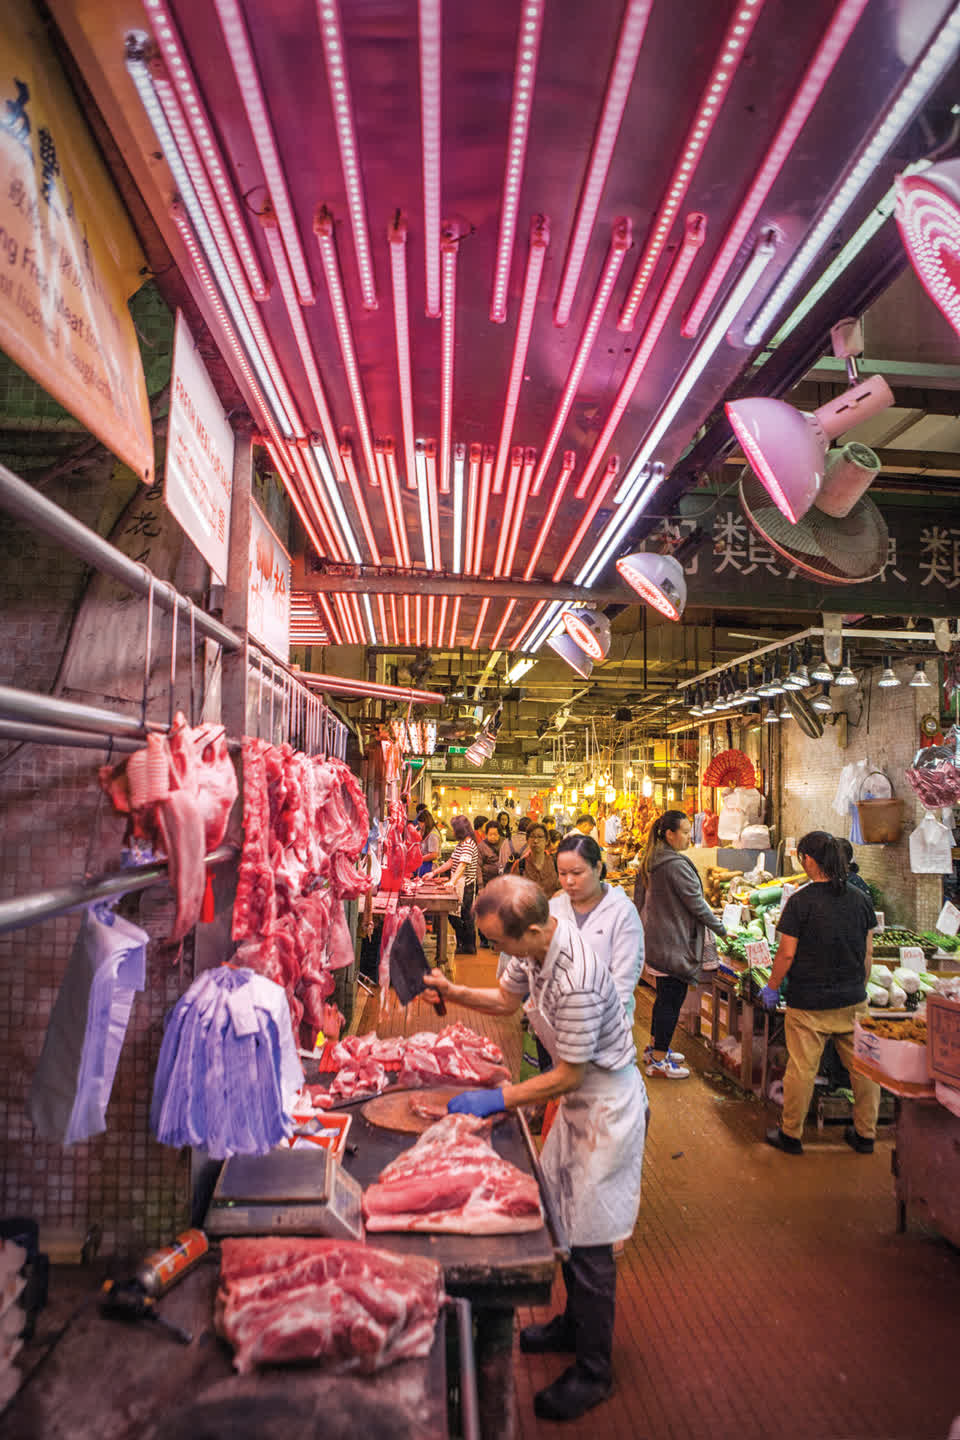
53 828
884 727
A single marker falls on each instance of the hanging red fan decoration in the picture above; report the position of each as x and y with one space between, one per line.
730 767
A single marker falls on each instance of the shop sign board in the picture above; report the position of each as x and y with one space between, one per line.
200 444
881 920
948 921
69 258
921 575
268 602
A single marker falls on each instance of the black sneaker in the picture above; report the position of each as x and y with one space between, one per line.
571 1396
860 1143
786 1143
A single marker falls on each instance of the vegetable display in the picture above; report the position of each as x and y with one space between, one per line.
888 943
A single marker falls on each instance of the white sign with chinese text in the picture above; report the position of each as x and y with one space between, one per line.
912 957
948 921
758 952
200 444
268 606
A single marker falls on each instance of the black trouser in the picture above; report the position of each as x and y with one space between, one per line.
590 1276
671 993
463 926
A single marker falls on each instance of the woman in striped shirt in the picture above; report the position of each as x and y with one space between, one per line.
465 865
593 1156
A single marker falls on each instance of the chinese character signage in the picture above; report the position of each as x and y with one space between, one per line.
268 613
200 444
69 258
921 574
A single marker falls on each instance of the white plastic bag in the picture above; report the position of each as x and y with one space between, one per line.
930 848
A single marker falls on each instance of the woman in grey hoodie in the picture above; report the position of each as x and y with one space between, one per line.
669 896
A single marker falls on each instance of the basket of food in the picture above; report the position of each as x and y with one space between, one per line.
880 812
887 944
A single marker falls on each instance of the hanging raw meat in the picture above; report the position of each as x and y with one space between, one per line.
305 823
178 791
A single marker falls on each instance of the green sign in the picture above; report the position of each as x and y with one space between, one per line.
415 763
456 749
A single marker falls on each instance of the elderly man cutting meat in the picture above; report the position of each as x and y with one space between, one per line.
593 1156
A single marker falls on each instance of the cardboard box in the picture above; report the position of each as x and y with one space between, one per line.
943 1039
900 1059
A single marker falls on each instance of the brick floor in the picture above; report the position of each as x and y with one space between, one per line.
761 1295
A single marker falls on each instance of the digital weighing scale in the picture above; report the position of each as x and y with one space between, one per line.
299 1192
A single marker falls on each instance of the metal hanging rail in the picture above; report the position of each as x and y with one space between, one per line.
44 904
27 504
34 709
55 735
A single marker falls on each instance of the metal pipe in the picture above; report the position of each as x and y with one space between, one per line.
366 580
24 910
893 637
53 735
337 685
469 1400
35 510
46 710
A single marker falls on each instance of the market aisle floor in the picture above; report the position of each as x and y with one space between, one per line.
762 1295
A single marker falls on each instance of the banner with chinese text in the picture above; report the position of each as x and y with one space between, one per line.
268 612
198 480
921 575
69 258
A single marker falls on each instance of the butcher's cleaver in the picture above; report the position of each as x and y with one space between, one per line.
408 966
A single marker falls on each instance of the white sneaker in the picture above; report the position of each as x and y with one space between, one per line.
669 1068
675 1055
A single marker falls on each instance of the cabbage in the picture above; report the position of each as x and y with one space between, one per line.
908 980
877 994
898 997
881 975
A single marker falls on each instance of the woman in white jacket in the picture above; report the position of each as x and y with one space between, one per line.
604 914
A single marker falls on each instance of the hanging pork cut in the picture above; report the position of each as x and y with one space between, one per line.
453 1181
305 823
178 791
347 1306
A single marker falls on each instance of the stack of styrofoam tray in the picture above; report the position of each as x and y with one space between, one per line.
12 1260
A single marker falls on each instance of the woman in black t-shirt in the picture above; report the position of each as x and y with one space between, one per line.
826 946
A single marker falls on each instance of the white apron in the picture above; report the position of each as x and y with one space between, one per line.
593 1157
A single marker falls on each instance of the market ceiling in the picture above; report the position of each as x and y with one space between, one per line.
493 258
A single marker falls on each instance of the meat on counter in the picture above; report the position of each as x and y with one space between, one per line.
348 1306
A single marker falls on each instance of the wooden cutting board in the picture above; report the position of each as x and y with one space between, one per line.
393 1112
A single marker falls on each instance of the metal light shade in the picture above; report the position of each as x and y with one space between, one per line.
821 703
845 677
568 650
919 677
888 679
785 448
771 717
657 579
590 630
822 673
928 214
785 712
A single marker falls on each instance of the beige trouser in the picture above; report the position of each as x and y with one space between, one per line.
807 1033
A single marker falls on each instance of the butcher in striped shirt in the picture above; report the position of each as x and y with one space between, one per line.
593 1156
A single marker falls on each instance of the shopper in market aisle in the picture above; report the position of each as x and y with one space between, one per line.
586 824
429 842
514 844
537 863
480 823
464 864
593 1157
669 896
489 847
826 948
604 914
854 877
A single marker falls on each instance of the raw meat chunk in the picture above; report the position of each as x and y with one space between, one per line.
346 1305
452 1180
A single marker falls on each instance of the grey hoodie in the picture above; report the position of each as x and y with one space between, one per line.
674 914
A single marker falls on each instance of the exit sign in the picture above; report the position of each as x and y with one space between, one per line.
456 749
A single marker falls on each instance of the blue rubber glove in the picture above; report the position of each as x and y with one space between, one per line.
477 1102
769 998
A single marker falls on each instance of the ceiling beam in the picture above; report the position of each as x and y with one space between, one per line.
903 462
361 579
